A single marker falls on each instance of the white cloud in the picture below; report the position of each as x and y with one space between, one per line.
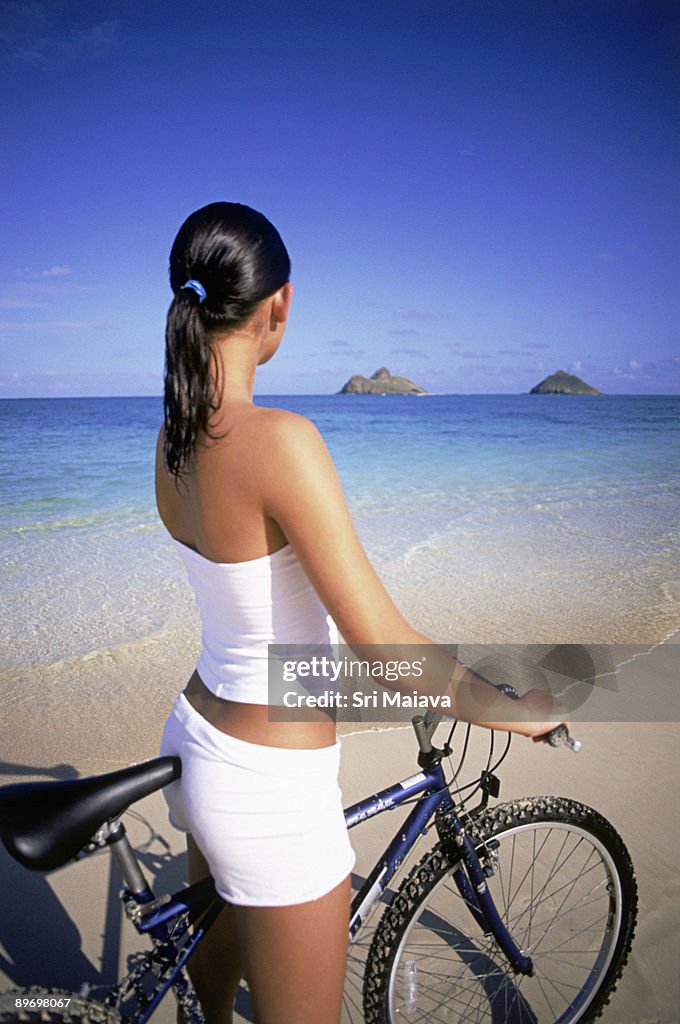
49 325
422 314
55 271
35 33
59 270
616 255
11 302
629 371
345 348
33 288
415 353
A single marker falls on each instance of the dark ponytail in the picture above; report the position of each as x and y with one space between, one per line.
234 257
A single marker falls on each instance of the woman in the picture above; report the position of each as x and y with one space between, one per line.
252 500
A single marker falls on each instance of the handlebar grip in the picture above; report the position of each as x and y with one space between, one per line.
559 736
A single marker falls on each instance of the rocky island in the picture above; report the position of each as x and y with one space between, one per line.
381 383
562 383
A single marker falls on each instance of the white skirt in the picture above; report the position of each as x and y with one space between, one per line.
268 820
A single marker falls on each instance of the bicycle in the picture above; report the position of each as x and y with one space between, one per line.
522 912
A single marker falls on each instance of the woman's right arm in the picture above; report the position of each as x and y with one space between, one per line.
301 491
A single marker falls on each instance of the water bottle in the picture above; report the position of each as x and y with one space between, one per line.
410 987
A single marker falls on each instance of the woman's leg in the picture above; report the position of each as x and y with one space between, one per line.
295 958
217 966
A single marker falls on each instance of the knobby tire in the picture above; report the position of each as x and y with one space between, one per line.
565 887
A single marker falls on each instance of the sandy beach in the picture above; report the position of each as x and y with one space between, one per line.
65 928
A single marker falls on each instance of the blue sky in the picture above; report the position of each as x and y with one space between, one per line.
474 193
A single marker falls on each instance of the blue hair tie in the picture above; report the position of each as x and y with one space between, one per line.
198 288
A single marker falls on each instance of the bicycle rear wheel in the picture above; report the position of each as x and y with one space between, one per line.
564 886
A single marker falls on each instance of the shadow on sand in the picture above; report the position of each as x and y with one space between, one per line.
41 940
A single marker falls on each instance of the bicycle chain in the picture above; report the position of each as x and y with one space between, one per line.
156 962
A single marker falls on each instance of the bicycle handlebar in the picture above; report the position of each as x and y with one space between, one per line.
424 727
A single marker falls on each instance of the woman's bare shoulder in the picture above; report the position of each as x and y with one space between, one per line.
287 433
280 421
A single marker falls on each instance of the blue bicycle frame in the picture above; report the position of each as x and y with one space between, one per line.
170 918
431 788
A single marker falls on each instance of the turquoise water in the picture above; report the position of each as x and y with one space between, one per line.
489 517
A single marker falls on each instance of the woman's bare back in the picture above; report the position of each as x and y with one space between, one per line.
216 507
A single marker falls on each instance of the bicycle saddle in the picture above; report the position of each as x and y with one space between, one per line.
45 824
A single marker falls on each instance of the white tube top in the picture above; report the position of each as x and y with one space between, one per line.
244 607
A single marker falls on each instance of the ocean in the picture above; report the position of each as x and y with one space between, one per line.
490 519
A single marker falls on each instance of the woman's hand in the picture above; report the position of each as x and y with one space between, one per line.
484 703
541 713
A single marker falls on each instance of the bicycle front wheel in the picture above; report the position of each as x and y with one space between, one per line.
564 886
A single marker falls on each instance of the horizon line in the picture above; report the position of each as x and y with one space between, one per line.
339 394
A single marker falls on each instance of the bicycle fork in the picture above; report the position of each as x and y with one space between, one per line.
471 882
430 785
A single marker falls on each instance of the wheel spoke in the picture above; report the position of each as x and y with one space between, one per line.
556 886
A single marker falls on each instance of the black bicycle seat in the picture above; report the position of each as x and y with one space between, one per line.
45 824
